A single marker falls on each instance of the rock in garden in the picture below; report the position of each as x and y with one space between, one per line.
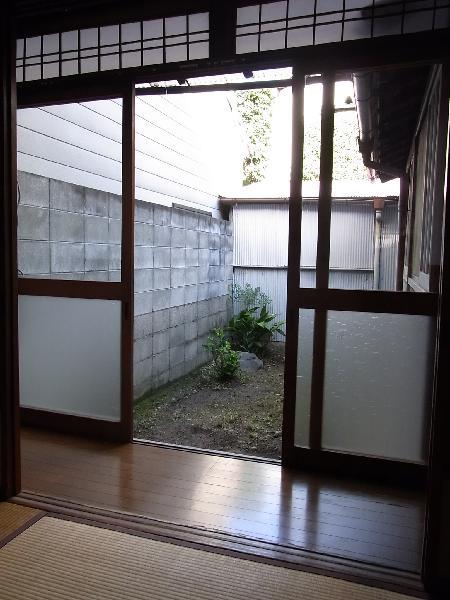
249 362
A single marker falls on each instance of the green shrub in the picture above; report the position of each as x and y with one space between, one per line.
225 363
247 296
252 332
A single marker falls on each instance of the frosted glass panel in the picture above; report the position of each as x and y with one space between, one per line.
377 384
304 371
69 355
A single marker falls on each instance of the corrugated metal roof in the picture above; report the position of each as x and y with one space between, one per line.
310 189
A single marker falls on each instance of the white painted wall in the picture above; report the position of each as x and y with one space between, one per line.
187 147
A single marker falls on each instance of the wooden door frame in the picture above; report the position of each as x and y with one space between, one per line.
9 377
123 291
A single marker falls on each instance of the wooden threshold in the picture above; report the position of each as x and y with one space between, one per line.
230 545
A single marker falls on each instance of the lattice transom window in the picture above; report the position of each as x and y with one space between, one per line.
166 40
294 23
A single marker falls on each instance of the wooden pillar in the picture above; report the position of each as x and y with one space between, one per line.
9 388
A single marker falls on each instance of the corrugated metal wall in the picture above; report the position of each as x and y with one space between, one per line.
261 247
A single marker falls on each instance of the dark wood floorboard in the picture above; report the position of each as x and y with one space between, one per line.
260 501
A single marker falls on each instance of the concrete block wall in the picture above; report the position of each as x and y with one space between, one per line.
183 269
183 266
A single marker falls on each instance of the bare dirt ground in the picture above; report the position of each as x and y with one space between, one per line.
241 416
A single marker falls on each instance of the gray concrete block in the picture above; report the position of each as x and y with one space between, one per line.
66 226
203 240
190 312
66 196
142 374
190 294
143 280
162 235
203 291
203 257
143 257
161 299
161 320
177 257
66 257
33 257
229 227
177 315
115 257
97 202
96 257
176 355
192 257
161 362
96 276
190 331
34 189
115 275
115 231
161 279
161 257
143 326
223 227
191 349
176 297
228 257
176 336
215 226
191 220
143 234
178 217
192 239
161 215
203 271
33 223
115 206
96 229
162 379
143 212
214 241
204 223
191 275
177 371
143 348
177 277
214 257
143 303
202 308
204 326
178 238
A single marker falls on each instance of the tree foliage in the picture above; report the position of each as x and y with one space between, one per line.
255 110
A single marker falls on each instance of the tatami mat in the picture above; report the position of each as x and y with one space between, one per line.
14 517
56 559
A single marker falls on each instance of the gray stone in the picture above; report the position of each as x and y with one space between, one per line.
33 257
249 362
178 257
161 362
176 336
161 257
192 239
176 297
115 231
143 212
96 229
143 325
143 348
32 223
143 234
34 190
190 294
66 257
162 236
143 303
97 202
66 226
161 299
67 196
161 320
177 315
176 355
161 278
178 217
192 257
115 206
143 280
161 215
143 257
96 257
114 257
178 238
177 277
